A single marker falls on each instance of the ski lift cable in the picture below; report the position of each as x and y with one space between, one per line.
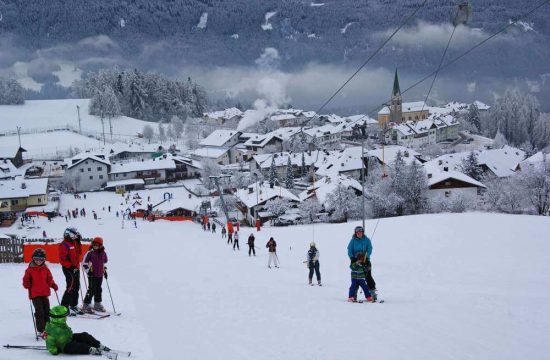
449 63
409 18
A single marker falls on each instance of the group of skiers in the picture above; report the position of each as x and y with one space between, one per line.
51 324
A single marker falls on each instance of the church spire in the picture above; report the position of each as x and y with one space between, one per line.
396 90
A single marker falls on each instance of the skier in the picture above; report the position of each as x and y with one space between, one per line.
94 267
224 232
214 228
272 246
69 257
229 232
361 244
61 338
44 234
251 248
358 276
38 280
313 263
236 241
208 226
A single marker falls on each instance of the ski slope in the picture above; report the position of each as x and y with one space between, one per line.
457 286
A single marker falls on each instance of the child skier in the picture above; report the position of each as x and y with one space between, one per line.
360 243
236 241
313 263
272 246
251 249
358 279
94 267
61 338
213 228
38 280
224 232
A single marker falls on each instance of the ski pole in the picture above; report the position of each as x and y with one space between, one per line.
33 321
25 347
57 296
111 296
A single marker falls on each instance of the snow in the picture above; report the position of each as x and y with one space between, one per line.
51 143
18 187
202 21
235 36
112 184
345 28
157 164
267 25
210 152
226 114
250 198
219 137
457 286
42 115
316 4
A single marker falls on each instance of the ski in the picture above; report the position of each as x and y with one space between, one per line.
107 313
110 355
121 352
92 316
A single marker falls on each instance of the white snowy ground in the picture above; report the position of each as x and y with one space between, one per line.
47 144
457 286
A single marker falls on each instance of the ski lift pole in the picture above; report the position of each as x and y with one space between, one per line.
216 182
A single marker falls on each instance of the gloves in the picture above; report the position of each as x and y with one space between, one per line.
75 271
105 273
55 287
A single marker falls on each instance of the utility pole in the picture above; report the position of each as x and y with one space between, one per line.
19 134
363 173
79 122
257 200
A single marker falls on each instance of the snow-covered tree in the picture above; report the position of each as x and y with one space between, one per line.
470 166
277 206
11 92
272 173
289 181
148 132
303 169
170 131
309 209
499 141
416 201
536 184
177 126
474 118
209 168
398 176
104 104
343 204
161 132
505 195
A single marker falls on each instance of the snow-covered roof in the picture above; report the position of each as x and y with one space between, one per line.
210 152
327 185
328 129
481 106
19 188
387 154
224 114
282 117
9 152
156 164
187 161
124 182
8 170
219 137
406 107
75 161
261 140
438 176
332 118
249 197
281 158
338 162
535 161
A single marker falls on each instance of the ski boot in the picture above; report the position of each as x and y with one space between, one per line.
99 307
370 299
87 308
352 299
310 283
74 311
373 294
319 283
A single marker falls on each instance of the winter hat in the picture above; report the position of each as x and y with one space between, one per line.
98 240
39 254
359 228
360 256
59 312
312 244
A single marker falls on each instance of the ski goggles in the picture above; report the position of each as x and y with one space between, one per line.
38 258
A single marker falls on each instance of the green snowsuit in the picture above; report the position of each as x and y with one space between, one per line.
59 333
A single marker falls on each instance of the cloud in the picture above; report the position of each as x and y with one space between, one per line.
425 34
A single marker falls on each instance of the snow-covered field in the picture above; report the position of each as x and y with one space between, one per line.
457 286
51 143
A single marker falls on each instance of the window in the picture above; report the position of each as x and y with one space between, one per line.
99 168
91 177
124 174
81 170
86 162
14 202
39 200
116 175
89 169
101 176
4 204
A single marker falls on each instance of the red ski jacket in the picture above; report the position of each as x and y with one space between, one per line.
38 280
69 254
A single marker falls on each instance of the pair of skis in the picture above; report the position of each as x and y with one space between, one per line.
112 354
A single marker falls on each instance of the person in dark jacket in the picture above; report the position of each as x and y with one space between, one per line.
94 266
224 232
361 244
272 248
69 257
214 228
38 280
313 263
251 249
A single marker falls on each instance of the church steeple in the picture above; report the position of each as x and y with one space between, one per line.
396 90
396 104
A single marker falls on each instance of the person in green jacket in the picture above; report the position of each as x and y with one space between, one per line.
61 339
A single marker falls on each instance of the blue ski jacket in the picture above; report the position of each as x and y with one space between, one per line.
359 245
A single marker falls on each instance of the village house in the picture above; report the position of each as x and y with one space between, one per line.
13 154
152 171
16 195
451 185
87 171
228 117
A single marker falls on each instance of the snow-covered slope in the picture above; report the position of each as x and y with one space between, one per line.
457 286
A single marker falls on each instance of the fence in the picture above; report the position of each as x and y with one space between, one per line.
12 250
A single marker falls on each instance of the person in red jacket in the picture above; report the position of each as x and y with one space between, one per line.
38 280
69 257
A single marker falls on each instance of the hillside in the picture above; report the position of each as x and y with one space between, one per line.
457 286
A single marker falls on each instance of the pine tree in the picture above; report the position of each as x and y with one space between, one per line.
473 117
499 141
289 176
272 172
399 180
416 201
304 168
470 166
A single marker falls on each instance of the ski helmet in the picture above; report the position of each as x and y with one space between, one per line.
97 240
59 312
71 232
359 229
312 244
39 254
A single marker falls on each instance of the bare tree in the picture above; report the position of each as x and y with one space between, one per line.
148 132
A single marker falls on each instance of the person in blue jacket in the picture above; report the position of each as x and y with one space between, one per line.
361 244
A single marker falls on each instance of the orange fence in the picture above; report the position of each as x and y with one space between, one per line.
52 251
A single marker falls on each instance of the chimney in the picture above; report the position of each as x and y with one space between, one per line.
250 190
23 185
429 176
445 168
